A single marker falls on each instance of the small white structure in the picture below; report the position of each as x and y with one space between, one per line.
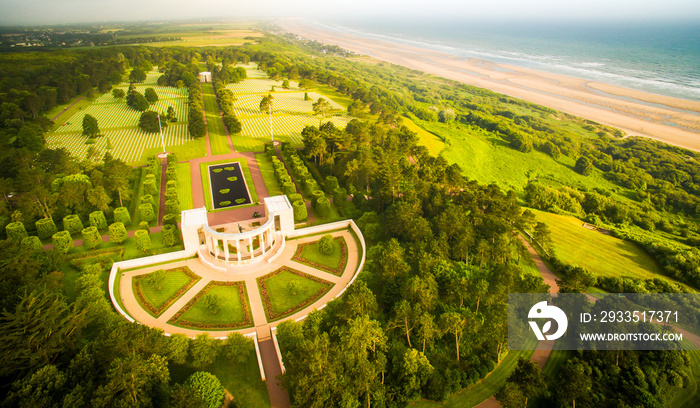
238 247
205 76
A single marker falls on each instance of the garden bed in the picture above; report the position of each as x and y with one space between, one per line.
277 300
177 281
309 254
234 311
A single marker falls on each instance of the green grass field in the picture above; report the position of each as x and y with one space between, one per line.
268 173
602 255
246 174
217 133
184 186
160 298
482 390
311 254
688 397
281 298
434 144
230 308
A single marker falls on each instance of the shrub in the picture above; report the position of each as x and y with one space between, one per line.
32 243
315 195
340 196
172 207
117 233
583 166
171 194
45 228
208 387
326 245
171 184
171 175
171 159
170 219
91 237
295 197
143 240
311 186
16 231
169 234
331 184
300 213
146 212
285 179
148 199
72 224
121 215
62 241
98 220
323 207
143 225
288 188
149 186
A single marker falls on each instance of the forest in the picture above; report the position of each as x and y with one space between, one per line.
428 315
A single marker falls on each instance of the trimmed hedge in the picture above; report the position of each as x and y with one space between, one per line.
117 233
300 213
171 184
72 224
98 220
171 174
169 234
121 214
170 219
171 194
32 243
149 186
288 188
143 240
340 196
91 237
326 244
323 207
295 197
146 212
16 231
315 196
148 199
331 184
62 241
172 207
45 228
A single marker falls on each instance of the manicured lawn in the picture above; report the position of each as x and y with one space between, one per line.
186 151
160 299
434 144
602 255
232 309
251 144
485 388
246 174
241 380
282 301
309 254
217 134
184 186
268 173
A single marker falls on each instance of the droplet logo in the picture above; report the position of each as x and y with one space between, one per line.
543 311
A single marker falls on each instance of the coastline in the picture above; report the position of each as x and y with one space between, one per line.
671 120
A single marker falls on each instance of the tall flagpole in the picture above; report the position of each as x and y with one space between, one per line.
162 142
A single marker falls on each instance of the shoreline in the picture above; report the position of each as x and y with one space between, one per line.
671 120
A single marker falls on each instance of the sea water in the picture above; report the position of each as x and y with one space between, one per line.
661 58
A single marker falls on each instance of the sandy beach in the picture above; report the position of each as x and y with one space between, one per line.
671 120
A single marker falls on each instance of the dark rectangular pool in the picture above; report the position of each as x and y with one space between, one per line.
228 186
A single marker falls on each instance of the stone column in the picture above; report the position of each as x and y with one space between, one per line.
238 250
252 256
262 243
226 249
207 240
215 241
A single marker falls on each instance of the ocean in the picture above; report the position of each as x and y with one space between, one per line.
661 58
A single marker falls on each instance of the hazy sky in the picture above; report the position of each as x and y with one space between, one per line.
15 12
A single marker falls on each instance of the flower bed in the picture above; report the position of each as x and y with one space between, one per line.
157 311
269 310
336 271
243 297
